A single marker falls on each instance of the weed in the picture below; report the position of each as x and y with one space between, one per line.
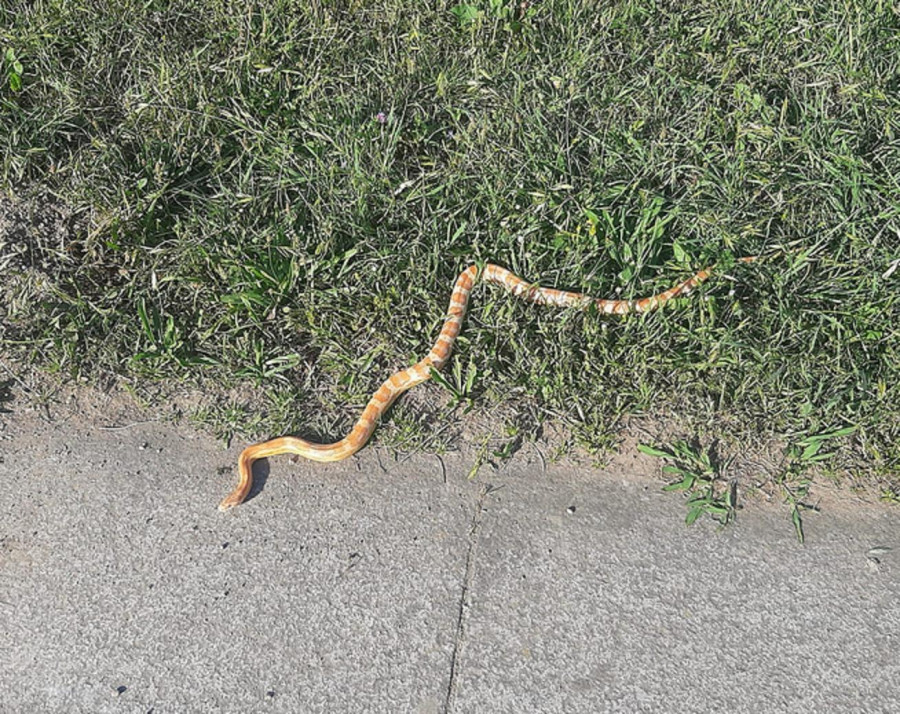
700 476
461 387
802 455
481 457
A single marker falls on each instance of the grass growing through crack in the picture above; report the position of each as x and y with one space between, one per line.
280 195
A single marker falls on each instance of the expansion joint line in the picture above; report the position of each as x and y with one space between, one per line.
460 636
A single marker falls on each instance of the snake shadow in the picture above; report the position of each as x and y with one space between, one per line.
260 476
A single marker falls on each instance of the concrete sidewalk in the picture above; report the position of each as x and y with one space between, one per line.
352 588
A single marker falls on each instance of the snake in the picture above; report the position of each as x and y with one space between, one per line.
406 379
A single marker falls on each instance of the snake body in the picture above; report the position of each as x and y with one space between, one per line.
403 380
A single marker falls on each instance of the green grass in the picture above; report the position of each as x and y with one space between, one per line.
246 219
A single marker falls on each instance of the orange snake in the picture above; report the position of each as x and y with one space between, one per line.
436 359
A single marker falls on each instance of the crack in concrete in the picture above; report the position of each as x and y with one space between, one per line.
459 638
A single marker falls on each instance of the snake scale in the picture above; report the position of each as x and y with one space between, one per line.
420 372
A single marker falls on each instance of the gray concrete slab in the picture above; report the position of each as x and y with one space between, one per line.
352 587
124 589
619 607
